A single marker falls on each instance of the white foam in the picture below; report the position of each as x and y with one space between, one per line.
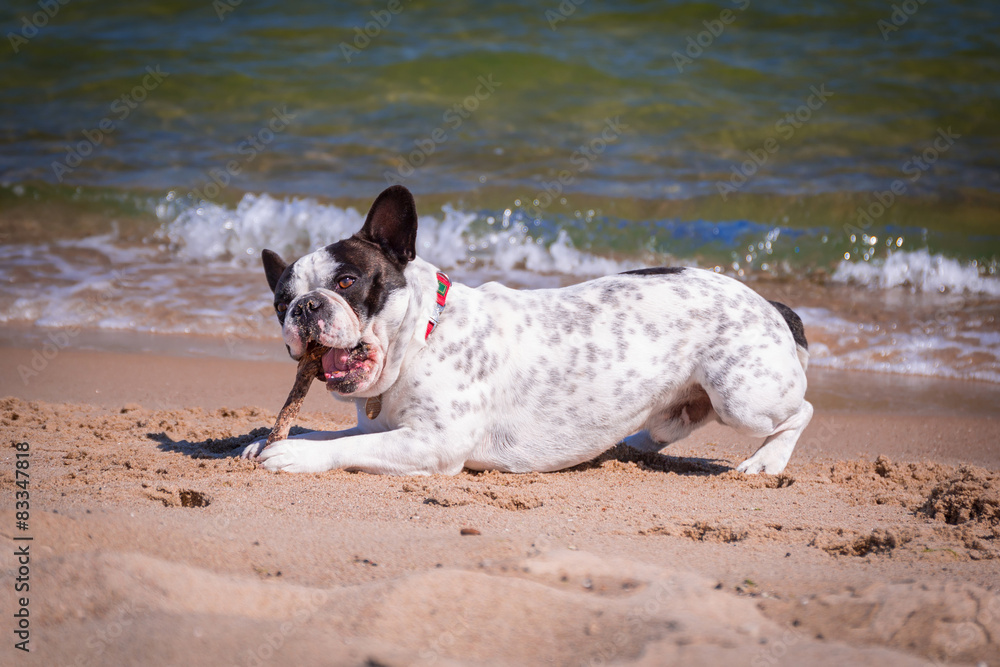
290 227
964 353
918 270
206 279
205 275
294 227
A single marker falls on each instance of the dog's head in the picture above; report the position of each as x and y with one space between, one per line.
350 296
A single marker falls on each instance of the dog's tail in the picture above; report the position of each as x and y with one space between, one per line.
798 332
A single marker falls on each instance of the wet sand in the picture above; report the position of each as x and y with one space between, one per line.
154 546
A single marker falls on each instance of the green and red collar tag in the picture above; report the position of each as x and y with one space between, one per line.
444 284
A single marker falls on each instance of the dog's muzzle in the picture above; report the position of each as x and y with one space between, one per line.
322 318
325 319
346 370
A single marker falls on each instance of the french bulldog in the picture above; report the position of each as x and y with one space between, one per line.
447 377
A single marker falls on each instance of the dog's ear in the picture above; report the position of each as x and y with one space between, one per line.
274 266
392 224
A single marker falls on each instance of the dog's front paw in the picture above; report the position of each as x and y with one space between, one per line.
252 450
297 456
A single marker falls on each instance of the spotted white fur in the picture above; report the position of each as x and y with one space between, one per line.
540 380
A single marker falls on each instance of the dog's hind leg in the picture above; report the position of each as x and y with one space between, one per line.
759 390
674 422
773 455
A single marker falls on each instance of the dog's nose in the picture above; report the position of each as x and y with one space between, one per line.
310 306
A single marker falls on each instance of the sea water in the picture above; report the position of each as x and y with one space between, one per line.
841 157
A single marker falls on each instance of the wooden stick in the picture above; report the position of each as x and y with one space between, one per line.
309 366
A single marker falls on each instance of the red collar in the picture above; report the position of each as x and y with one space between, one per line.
444 284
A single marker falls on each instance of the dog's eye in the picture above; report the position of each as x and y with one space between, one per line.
345 282
281 307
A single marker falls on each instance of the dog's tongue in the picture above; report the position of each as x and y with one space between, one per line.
335 360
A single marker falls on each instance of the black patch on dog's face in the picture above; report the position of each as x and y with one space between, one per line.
364 276
657 271
366 268
374 276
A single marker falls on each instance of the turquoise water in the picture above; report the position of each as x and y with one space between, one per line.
834 143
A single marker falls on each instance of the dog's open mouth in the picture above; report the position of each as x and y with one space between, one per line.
344 369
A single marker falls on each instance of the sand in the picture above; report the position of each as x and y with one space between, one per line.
153 545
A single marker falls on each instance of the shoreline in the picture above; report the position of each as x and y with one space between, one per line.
184 356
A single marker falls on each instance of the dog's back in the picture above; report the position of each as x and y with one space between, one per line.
658 351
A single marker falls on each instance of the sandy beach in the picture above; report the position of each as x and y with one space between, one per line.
842 159
152 545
